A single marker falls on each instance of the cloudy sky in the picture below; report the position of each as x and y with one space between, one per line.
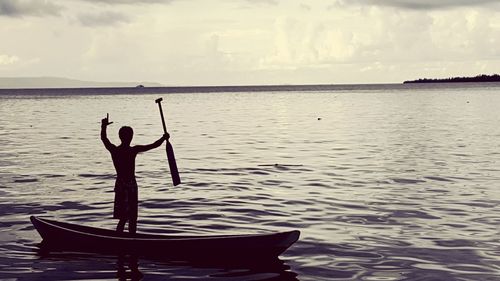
242 42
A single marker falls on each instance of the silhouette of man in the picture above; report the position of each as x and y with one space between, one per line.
126 199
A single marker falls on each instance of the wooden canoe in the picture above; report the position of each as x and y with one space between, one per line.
65 236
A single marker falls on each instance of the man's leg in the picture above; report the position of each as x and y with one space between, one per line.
133 212
121 225
132 225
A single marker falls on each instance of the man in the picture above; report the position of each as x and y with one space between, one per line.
126 198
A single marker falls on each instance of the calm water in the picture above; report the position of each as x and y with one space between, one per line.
384 182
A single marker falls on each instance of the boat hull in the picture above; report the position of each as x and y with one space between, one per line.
59 236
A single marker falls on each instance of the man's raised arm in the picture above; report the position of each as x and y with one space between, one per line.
104 138
143 148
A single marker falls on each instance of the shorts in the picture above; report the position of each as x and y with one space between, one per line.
126 200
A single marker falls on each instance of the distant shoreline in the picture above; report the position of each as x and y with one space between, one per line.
60 82
479 78
38 84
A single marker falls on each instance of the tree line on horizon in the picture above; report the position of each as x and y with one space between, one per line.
478 78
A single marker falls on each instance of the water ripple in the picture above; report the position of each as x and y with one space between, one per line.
384 187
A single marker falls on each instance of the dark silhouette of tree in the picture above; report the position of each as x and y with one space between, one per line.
478 78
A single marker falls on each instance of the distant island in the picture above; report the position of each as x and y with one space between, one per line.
479 78
59 82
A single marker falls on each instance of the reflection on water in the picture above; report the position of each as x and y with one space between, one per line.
84 266
387 183
128 268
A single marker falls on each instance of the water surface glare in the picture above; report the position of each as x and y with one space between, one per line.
384 183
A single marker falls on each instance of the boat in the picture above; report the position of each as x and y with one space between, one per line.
62 236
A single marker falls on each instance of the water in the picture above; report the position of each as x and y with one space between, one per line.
388 182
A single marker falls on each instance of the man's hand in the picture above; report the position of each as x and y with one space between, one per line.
105 121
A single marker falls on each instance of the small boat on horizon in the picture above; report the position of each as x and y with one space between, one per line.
61 236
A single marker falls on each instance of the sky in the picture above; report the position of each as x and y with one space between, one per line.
249 42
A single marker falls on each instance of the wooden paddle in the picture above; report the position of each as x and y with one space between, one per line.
170 150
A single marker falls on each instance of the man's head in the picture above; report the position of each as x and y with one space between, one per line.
126 133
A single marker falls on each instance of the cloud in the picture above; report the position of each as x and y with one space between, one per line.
421 4
20 8
302 43
6 59
112 2
268 2
383 37
102 19
305 7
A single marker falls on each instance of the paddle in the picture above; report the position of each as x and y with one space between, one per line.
170 150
